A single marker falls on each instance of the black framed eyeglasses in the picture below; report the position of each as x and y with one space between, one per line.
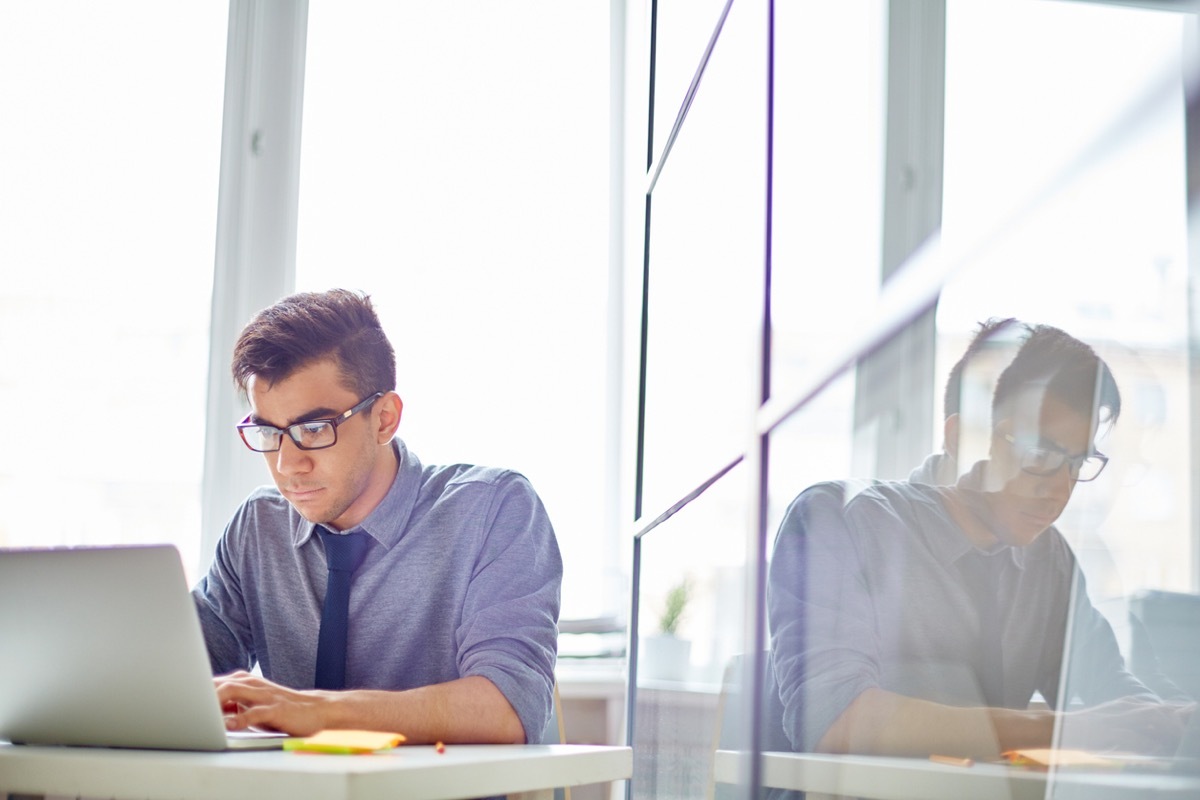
1042 461
313 434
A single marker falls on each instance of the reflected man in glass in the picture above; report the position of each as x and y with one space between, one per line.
916 619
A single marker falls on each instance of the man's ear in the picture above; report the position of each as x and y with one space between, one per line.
950 436
390 407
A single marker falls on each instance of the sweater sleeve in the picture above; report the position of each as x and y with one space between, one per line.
824 649
509 628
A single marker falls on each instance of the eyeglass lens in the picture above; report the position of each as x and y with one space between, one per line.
1041 461
307 435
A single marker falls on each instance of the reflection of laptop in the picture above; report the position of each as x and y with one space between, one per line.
1075 673
1187 758
102 646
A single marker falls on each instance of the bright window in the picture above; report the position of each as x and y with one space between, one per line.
109 153
455 166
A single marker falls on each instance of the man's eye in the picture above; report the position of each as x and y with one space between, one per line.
314 433
1039 456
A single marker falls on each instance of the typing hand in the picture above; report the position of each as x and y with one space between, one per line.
249 701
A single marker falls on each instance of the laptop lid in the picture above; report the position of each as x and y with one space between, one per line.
102 646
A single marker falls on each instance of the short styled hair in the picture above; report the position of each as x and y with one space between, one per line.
952 396
1064 368
304 328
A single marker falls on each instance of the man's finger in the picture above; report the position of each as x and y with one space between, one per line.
235 693
260 717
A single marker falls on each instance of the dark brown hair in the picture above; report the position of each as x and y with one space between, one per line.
1065 368
951 398
311 326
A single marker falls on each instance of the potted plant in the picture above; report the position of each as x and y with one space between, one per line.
673 608
666 656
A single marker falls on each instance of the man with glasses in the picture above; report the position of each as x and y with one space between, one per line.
917 619
372 591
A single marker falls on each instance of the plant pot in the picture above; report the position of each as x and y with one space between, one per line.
664 658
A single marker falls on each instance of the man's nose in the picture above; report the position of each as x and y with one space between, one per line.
1058 484
290 459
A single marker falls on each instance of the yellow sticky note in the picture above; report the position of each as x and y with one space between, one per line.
346 742
1043 758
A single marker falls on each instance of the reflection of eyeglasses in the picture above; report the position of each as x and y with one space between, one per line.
1042 461
314 434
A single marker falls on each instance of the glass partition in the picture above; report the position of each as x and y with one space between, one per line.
1102 255
828 187
692 637
706 251
943 615
1021 599
685 29
1035 564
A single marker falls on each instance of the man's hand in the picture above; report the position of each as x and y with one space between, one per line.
466 710
883 723
251 701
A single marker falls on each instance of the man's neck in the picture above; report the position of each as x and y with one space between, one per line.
968 522
383 475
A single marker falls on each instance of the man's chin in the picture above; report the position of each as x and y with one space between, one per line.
311 504
317 516
1025 530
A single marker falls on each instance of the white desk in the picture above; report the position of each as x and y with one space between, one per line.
921 779
411 773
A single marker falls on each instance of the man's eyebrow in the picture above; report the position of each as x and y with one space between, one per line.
308 416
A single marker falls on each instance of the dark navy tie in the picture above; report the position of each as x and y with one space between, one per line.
343 552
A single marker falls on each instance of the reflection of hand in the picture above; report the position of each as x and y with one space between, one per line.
1127 725
250 701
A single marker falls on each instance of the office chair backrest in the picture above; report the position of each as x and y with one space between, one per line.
556 733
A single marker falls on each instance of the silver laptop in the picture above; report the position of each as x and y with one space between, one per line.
102 646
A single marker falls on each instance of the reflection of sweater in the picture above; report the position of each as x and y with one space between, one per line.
941 469
865 591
